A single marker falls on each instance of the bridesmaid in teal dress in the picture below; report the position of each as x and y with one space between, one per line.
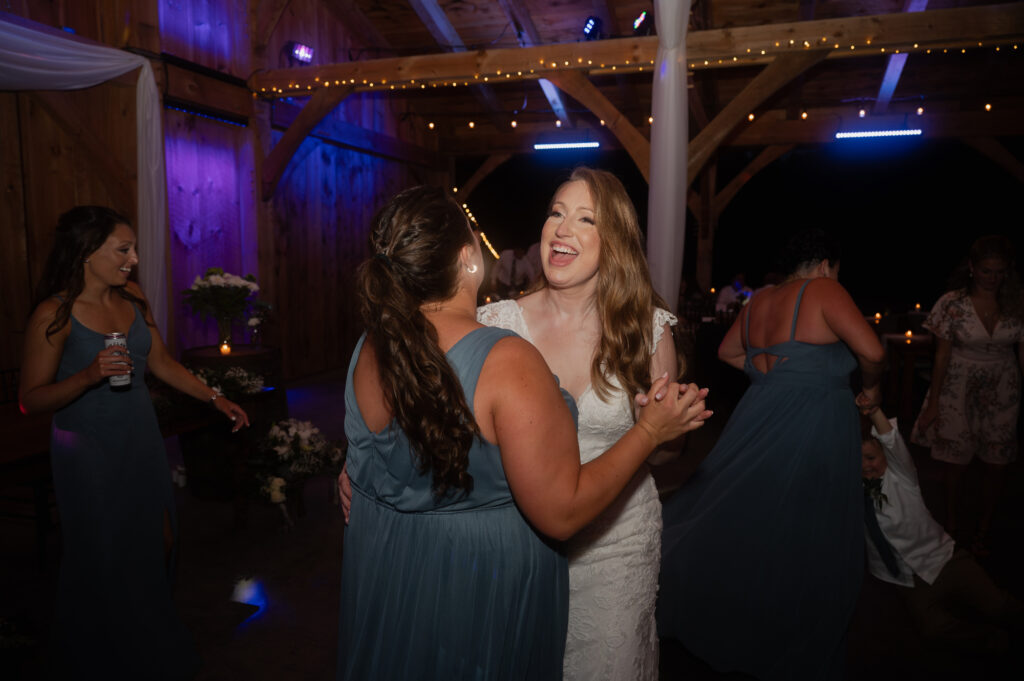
115 617
464 468
762 551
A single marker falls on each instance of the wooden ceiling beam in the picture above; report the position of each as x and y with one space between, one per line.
774 76
767 156
773 128
586 93
894 65
990 147
527 34
266 15
348 14
934 29
485 169
822 126
436 21
319 105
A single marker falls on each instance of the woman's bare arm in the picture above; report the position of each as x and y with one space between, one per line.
171 372
533 428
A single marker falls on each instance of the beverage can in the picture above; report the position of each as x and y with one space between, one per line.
118 339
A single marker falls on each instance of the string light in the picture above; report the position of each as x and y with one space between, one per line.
750 117
318 81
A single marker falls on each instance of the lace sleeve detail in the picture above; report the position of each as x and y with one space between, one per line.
504 314
661 318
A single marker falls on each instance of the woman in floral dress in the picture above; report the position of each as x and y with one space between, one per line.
972 405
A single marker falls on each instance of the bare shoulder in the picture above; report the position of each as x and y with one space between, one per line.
511 355
825 289
42 317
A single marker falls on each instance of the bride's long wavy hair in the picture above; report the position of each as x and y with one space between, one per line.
415 243
625 297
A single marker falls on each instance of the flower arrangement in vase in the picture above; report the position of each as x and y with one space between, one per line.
224 297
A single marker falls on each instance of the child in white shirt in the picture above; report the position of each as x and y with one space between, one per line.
922 557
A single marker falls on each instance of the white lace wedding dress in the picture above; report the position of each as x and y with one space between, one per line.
614 561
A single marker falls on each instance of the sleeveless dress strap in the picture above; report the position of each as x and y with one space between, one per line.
796 310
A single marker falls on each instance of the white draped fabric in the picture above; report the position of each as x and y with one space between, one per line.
33 59
666 203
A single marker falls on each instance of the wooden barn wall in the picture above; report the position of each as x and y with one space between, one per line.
118 23
303 245
214 34
322 212
209 186
313 231
61 149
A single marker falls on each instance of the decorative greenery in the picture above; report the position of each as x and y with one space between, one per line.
222 296
291 452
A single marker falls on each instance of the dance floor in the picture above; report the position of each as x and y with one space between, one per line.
262 600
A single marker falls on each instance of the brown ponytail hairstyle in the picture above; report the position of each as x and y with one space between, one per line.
415 243
625 297
80 233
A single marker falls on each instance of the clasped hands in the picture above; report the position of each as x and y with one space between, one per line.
669 409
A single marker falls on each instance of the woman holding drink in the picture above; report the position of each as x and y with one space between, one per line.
115 616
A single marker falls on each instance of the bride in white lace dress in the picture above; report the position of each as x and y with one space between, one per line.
597 324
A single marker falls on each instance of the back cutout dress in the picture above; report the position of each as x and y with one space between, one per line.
457 588
115 615
762 553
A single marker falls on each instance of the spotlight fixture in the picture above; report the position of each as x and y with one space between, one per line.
592 28
300 52
642 24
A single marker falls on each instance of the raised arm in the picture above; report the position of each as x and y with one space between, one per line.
531 424
171 372
37 390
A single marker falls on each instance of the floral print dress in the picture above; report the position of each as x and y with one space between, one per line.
980 396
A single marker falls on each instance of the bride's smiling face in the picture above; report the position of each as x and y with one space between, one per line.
570 243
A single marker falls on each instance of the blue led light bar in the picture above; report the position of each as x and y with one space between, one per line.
567 145
877 133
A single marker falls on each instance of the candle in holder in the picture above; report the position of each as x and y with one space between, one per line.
909 334
225 348
917 306
878 317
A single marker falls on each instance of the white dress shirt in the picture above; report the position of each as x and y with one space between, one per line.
921 546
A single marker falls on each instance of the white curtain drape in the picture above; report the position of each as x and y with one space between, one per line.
39 60
666 203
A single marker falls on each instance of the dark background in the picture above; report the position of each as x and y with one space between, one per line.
907 210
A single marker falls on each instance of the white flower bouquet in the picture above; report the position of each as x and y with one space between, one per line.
220 295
